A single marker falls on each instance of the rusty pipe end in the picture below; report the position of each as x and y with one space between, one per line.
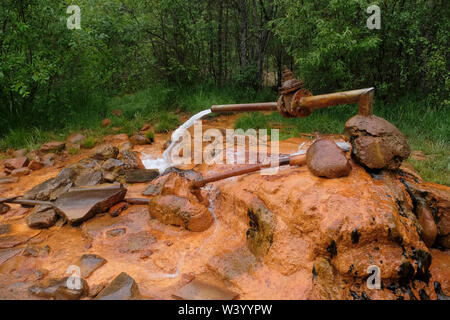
366 100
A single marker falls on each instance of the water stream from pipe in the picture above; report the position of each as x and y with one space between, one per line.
165 162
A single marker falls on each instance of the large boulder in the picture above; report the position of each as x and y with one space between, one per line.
180 211
377 144
297 222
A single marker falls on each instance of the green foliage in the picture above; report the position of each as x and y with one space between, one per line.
335 50
166 122
24 138
89 143
73 151
150 135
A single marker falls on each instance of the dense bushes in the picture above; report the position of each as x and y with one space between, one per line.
51 77
334 49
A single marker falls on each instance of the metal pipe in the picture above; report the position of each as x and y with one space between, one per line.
302 105
296 160
245 107
363 96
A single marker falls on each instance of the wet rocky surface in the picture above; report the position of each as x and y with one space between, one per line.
123 287
292 235
88 263
59 289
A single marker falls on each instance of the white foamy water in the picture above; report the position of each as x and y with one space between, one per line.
165 162
151 163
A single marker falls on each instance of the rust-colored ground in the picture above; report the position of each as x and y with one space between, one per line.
308 250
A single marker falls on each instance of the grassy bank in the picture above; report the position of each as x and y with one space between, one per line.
426 127
158 105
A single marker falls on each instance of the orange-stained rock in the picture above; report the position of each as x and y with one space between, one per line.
42 217
20 172
49 159
123 287
131 160
179 211
20 153
52 147
288 236
376 142
9 180
325 159
105 152
106 122
425 218
354 222
16 163
88 263
4 208
35 165
437 198
115 210
139 139
75 138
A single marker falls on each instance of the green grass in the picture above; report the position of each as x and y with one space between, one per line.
150 135
89 143
158 105
427 129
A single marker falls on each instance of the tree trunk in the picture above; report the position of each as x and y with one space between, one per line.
220 45
244 32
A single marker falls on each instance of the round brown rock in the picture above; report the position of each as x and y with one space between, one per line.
325 159
139 140
105 152
75 138
377 143
106 122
